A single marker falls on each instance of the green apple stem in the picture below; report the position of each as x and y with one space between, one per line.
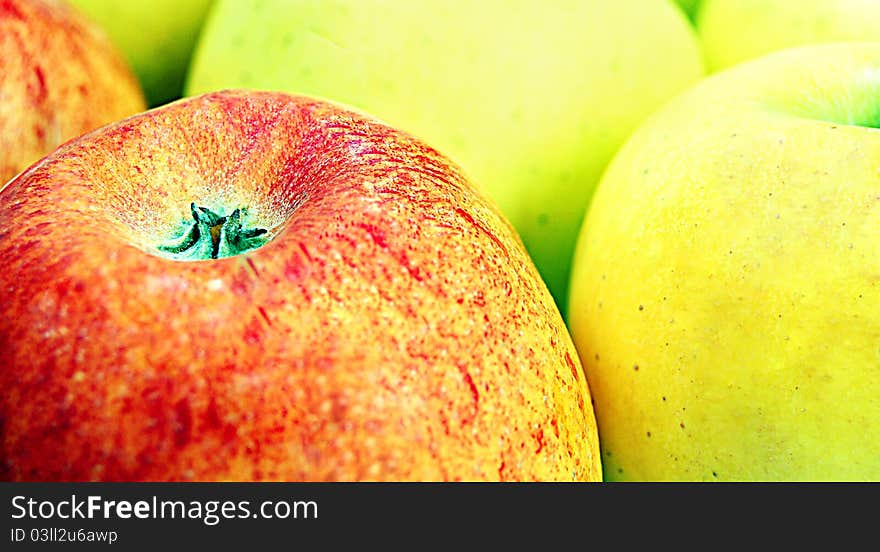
214 237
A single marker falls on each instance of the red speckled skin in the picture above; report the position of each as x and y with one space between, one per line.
59 77
393 329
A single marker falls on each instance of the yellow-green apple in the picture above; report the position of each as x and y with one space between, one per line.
59 77
530 98
732 31
254 286
156 37
725 295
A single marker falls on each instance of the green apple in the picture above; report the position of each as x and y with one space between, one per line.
156 37
733 31
531 99
725 295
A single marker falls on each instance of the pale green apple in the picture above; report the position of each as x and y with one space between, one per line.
733 31
725 295
531 98
156 37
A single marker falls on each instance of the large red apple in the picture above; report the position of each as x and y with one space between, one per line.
59 77
369 315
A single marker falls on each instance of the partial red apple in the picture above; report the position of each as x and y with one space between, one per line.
256 286
59 77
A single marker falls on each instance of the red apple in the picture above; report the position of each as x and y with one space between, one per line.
59 77
387 325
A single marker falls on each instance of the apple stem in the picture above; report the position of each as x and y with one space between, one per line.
214 237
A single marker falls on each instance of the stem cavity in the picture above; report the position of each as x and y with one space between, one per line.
213 237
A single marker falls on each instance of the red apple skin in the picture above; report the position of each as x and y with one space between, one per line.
392 329
59 77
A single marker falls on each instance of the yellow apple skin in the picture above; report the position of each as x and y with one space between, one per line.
725 295
531 98
732 31
156 37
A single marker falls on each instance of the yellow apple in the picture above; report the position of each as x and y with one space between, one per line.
725 296
531 98
732 31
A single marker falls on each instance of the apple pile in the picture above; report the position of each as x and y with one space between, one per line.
439 241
